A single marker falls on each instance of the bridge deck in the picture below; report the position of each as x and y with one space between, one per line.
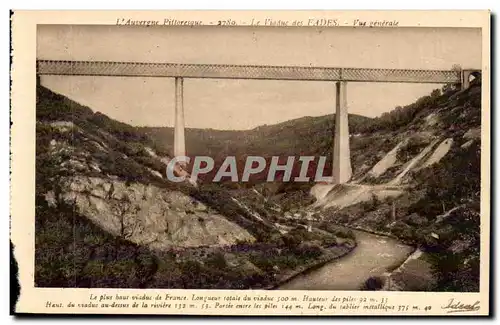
137 69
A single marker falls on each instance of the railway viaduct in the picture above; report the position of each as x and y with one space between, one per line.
342 170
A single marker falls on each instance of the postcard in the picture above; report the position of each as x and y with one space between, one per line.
325 163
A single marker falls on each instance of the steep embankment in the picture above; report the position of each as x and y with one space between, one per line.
436 167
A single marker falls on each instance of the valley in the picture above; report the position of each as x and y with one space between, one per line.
107 215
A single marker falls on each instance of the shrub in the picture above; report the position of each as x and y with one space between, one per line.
372 204
373 283
309 251
295 237
217 260
402 230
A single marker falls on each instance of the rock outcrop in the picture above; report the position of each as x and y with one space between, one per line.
146 214
388 161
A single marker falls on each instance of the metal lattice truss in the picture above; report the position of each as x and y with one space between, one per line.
219 71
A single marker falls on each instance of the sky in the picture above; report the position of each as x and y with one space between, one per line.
245 104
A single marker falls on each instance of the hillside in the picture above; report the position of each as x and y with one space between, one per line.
106 216
289 138
425 190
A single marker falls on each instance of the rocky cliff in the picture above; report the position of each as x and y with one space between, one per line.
111 174
147 215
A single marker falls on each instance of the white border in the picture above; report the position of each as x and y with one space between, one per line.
91 4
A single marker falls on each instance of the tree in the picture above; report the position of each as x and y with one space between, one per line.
456 67
436 93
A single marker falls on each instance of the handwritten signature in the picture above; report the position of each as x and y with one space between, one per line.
459 307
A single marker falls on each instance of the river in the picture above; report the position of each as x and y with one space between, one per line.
372 256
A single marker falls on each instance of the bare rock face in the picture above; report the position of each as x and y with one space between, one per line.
473 134
149 215
388 161
438 154
63 126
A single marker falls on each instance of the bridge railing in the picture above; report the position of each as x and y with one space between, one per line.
222 71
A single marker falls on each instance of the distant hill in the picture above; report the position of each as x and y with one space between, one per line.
303 136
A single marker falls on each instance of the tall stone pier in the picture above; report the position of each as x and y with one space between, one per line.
179 139
342 170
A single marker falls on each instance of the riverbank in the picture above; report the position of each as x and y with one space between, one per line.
414 274
334 254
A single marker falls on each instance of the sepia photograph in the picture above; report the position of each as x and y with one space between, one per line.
258 158
251 163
